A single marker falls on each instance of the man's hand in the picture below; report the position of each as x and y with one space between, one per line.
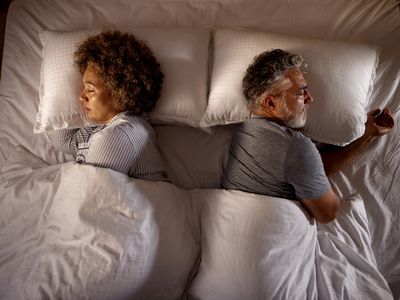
378 123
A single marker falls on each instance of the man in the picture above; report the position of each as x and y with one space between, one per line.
270 156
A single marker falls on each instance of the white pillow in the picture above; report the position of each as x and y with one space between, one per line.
340 79
182 53
254 247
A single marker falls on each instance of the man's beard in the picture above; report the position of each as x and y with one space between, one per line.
295 121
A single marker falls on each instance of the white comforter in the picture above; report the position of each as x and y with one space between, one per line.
74 231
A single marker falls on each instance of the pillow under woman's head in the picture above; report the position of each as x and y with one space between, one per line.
183 56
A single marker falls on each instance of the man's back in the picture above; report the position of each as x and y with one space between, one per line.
269 159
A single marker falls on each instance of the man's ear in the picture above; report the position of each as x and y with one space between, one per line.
269 103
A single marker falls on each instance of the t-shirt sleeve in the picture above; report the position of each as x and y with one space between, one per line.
304 169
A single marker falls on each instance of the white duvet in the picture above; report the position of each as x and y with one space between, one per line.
79 232
73 231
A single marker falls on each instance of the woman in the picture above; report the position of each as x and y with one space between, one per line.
122 81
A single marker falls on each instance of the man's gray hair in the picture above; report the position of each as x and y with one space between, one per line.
268 68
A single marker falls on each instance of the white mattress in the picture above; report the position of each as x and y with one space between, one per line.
194 158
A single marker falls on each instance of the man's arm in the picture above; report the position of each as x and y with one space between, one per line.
305 172
325 208
335 158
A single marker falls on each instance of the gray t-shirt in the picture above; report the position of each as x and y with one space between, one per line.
269 159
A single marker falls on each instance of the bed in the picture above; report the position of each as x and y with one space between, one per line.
72 231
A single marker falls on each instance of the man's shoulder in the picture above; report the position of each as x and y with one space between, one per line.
260 124
265 126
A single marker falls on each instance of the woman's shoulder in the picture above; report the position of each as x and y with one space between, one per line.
128 125
126 119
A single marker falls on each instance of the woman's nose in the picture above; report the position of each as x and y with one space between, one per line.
82 96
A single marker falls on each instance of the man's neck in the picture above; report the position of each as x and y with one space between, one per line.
269 117
273 118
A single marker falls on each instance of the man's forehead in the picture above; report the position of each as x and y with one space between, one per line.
296 76
284 84
291 78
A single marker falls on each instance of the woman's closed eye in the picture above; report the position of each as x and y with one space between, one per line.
89 89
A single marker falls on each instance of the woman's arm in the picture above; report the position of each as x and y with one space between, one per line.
112 149
67 140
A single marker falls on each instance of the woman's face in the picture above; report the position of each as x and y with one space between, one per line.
96 99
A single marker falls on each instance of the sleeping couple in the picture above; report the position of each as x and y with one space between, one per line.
269 155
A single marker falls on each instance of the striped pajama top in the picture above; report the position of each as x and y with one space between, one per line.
126 144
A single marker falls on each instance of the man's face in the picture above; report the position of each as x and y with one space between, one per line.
295 99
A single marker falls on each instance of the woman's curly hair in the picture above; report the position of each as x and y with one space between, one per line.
127 67
268 68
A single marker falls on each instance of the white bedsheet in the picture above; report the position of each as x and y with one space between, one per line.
374 177
75 231
27 190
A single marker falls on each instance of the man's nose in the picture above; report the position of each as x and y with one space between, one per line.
307 97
